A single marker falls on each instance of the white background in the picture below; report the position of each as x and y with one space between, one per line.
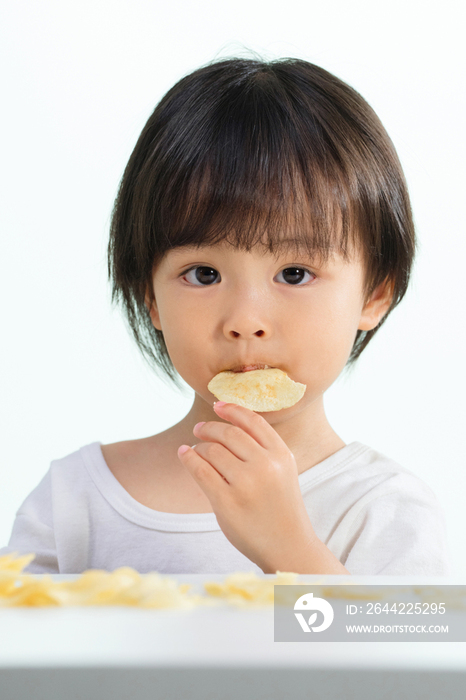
79 80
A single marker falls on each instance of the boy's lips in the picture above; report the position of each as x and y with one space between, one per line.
248 368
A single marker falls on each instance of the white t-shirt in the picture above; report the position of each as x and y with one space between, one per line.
375 516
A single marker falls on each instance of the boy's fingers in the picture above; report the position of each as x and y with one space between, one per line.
219 458
232 437
202 471
252 423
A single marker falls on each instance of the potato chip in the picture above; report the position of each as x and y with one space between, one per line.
10 567
246 589
13 562
33 592
260 390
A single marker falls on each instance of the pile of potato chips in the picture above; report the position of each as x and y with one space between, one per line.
125 586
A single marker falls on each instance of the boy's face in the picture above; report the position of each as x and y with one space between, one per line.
221 308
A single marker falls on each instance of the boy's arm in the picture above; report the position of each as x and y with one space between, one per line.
251 479
310 557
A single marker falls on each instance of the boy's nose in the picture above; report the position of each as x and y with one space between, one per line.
247 324
247 312
236 334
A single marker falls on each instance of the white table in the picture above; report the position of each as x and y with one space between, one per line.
211 654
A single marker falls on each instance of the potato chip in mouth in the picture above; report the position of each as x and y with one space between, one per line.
260 390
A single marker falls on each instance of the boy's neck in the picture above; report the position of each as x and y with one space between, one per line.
308 434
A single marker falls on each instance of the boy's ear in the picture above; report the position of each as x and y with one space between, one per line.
153 311
377 306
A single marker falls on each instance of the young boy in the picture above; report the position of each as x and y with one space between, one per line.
262 221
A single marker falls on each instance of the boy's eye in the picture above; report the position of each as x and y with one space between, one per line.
295 275
201 275
204 275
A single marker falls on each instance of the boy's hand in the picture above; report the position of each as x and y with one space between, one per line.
251 479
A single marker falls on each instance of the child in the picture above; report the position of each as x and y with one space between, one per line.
262 220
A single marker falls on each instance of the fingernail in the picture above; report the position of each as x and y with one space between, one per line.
219 403
198 425
183 449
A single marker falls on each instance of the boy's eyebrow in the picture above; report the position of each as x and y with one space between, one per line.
300 247
280 247
295 243
184 249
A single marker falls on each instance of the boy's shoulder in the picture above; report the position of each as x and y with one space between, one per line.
358 471
131 461
379 472
151 473
94 458
120 455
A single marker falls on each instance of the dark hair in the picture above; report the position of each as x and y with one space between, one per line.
243 150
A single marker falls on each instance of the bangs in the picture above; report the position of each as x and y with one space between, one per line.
257 172
274 210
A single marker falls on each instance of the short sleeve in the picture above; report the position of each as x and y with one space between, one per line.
33 533
401 532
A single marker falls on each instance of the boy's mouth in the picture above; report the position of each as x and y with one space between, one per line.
248 368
